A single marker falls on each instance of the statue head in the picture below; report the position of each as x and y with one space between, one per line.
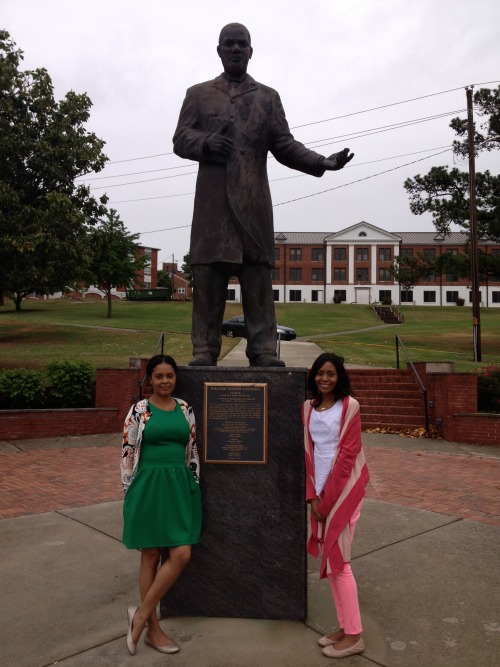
235 48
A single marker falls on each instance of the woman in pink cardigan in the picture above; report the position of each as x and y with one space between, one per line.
336 480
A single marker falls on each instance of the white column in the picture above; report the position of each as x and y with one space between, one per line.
351 265
373 254
328 264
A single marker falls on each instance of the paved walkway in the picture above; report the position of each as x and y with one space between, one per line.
453 479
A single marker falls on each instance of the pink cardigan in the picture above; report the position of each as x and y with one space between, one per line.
343 491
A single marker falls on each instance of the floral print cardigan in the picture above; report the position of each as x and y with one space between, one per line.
135 422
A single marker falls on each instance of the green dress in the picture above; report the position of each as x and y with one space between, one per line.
162 506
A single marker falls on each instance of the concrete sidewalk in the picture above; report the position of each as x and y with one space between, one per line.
427 580
427 586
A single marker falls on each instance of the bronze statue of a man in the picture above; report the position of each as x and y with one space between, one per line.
229 125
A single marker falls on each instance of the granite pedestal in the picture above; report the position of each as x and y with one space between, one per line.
251 561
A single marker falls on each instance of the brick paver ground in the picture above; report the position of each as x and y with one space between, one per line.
462 486
38 481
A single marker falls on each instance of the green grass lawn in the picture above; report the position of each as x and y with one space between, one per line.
64 329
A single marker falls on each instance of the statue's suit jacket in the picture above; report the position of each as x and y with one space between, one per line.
233 215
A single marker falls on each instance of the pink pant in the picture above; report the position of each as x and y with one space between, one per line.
345 591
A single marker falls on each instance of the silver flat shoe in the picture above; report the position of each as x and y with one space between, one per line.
169 648
331 652
131 645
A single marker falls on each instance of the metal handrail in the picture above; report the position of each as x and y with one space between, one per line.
398 313
422 386
159 343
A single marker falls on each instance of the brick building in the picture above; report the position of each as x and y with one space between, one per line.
147 278
181 290
353 266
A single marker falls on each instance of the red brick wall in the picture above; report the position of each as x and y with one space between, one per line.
25 424
473 428
452 401
118 388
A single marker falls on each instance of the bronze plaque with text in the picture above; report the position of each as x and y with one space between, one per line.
235 423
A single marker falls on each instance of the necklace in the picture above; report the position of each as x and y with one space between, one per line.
325 407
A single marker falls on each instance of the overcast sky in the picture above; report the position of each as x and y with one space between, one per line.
326 58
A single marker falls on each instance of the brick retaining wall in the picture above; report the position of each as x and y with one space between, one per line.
452 399
26 424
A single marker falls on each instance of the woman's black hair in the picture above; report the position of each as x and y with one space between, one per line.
343 387
160 359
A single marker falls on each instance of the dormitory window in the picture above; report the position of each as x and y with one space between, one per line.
407 296
384 275
451 296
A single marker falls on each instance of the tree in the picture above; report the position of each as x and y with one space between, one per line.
115 258
445 193
489 265
487 104
187 270
410 270
44 148
164 279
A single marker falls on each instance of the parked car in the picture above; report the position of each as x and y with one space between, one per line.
235 328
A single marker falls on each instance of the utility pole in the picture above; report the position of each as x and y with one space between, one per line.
474 260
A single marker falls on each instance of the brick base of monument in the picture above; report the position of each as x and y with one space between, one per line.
251 561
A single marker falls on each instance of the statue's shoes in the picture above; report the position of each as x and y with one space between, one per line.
203 359
266 360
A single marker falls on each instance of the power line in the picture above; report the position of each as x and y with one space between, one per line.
168 229
147 180
127 201
383 128
386 106
313 144
317 122
137 173
315 194
359 180
286 178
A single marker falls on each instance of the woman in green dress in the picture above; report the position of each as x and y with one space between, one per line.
162 506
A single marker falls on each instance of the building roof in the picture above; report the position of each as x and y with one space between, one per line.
301 238
432 238
407 238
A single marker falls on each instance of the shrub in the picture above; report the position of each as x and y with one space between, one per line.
21 389
488 389
72 384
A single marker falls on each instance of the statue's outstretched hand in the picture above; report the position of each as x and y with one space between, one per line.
337 160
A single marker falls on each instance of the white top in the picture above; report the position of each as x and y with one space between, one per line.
324 428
